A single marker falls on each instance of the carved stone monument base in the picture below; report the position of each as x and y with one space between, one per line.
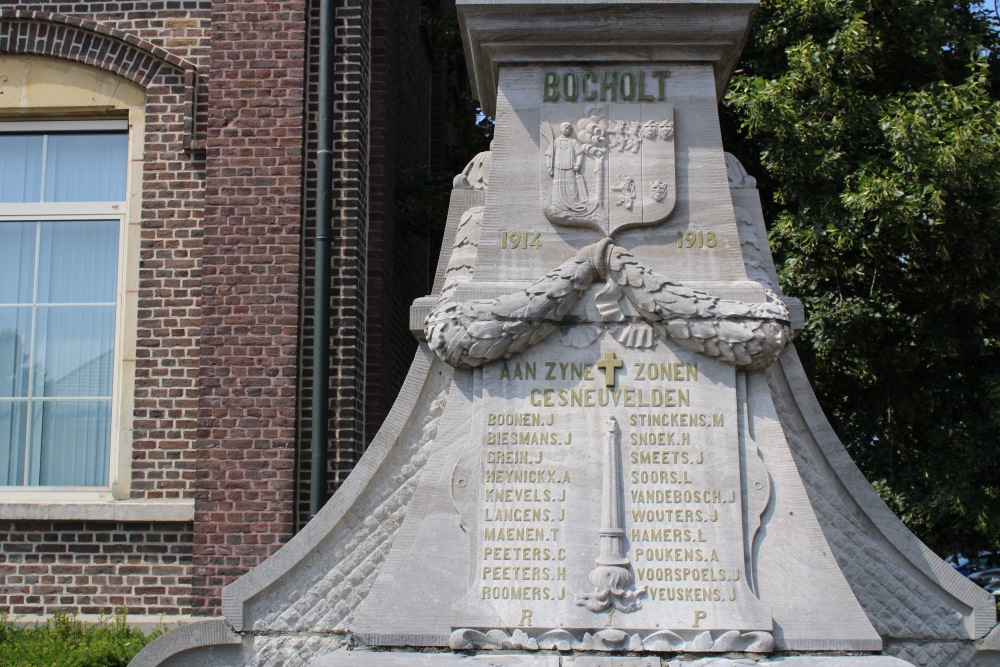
606 452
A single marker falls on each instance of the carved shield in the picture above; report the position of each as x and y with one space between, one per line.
611 169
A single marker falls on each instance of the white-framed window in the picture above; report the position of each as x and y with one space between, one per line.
63 192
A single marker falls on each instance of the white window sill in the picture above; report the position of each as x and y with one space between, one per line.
159 511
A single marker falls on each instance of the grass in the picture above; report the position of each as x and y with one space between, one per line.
65 641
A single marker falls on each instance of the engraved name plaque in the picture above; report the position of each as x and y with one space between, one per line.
612 489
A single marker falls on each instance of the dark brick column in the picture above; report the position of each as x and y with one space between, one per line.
250 304
399 269
349 246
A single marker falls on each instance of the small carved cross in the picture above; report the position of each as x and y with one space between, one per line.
609 364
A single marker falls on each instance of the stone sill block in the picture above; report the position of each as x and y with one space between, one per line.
138 511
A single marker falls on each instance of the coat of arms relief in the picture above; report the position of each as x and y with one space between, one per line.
611 169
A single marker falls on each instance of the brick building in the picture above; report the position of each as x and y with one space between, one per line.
157 205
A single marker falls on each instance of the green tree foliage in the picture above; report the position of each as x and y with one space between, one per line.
422 194
875 128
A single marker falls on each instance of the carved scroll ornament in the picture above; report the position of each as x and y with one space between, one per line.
470 334
613 639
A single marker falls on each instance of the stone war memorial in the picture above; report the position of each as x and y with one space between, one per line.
606 452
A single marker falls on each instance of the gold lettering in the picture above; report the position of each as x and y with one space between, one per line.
609 85
626 86
643 97
609 364
588 94
551 87
569 87
661 78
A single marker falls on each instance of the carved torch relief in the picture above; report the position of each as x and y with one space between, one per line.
612 167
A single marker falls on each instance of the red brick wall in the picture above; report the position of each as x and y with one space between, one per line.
95 568
218 295
169 306
250 291
224 307
385 73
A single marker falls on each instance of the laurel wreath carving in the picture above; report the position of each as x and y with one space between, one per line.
748 335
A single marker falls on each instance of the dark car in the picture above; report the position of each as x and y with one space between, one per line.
969 564
988 579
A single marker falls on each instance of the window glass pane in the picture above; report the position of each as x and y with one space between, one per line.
74 351
70 443
56 345
17 261
20 167
86 167
78 261
15 355
13 425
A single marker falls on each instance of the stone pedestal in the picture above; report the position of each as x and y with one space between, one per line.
606 452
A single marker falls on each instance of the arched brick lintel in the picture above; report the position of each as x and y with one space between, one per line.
72 38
